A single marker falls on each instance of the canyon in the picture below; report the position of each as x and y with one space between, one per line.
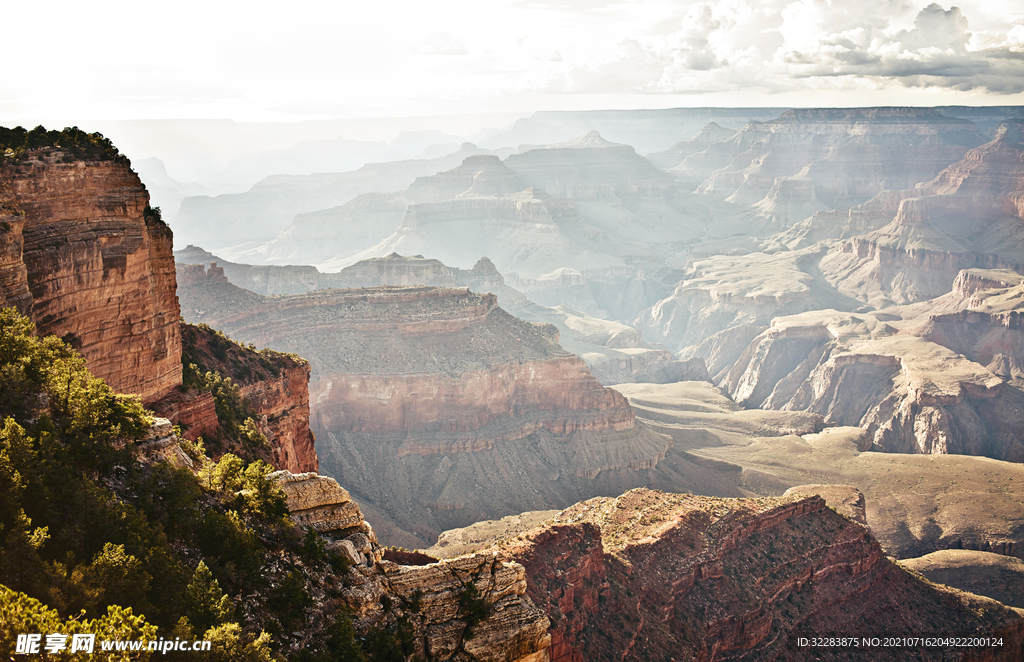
419 394
689 405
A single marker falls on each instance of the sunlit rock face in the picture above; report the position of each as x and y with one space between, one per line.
969 216
100 271
939 377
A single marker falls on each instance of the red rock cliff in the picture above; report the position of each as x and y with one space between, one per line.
100 269
656 576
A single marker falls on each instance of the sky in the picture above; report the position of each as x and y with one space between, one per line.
254 60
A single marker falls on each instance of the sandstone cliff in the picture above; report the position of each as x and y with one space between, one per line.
650 575
98 266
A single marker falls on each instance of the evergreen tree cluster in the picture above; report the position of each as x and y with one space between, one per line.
77 145
94 540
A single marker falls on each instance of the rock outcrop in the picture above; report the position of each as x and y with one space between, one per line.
497 622
98 266
656 576
274 386
910 394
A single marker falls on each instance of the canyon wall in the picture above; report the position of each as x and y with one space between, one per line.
968 216
83 255
419 395
938 377
99 267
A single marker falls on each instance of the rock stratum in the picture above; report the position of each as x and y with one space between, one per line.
86 258
96 266
969 216
939 377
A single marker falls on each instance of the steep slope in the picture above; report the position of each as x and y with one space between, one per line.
650 575
99 267
969 216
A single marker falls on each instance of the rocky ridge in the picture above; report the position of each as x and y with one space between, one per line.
650 575
915 504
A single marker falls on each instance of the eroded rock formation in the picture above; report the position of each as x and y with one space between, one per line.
419 394
499 624
969 216
98 266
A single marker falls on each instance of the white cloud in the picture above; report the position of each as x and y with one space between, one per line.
257 59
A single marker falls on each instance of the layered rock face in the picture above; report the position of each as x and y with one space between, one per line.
876 371
969 216
724 301
655 576
13 274
430 598
421 394
99 268
814 159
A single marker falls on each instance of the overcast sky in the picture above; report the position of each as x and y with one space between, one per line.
255 61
